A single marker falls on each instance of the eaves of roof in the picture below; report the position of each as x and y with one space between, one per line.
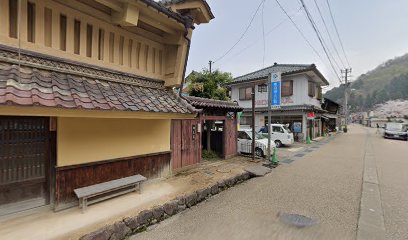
303 69
202 103
291 108
181 1
36 80
187 21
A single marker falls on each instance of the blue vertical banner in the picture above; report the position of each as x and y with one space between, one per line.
276 90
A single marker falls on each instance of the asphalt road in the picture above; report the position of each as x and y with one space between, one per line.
324 185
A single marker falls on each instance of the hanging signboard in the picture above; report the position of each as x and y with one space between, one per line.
310 115
276 90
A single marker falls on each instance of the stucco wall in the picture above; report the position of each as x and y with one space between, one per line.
83 140
300 94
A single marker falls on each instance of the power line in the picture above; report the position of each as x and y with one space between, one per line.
298 29
337 32
266 35
263 35
328 33
243 34
322 43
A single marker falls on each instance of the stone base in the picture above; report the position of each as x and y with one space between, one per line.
132 225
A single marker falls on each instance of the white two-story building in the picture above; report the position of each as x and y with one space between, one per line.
301 96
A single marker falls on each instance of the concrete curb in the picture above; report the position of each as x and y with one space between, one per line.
132 225
371 220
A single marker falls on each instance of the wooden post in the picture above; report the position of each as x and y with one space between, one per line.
208 126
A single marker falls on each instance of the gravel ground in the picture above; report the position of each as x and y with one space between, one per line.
324 185
392 166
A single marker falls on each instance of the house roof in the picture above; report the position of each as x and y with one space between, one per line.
200 103
285 69
50 82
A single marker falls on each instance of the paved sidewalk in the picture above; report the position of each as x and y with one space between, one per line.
44 224
392 164
324 184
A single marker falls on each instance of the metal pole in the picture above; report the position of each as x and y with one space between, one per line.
210 63
253 122
269 114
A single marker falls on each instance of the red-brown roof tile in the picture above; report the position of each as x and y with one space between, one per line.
77 87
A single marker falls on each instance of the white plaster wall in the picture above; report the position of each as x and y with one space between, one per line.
300 94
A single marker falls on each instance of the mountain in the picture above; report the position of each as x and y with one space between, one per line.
388 81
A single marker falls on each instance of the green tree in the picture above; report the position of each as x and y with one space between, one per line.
209 85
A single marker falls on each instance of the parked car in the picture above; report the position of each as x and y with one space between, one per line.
280 135
396 131
245 143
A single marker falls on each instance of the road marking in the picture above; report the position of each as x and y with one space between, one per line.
371 221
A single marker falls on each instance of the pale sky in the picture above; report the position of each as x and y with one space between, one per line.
372 31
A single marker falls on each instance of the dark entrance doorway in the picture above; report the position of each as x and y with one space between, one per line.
24 163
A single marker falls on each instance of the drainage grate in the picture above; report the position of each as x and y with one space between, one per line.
296 220
300 155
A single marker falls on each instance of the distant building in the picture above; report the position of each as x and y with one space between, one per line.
301 95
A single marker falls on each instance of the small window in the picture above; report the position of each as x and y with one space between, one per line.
63 32
319 93
245 93
245 120
111 46
287 88
30 22
121 43
154 60
243 135
101 43
130 51
138 48
277 129
146 57
160 62
47 27
89 34
77 36
262 88
311 89
13 16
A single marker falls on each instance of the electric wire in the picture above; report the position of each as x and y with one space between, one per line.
266 35
298 29
243 34
337 32
263 36
322 43
328 33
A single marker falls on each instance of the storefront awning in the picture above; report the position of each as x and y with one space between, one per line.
329 116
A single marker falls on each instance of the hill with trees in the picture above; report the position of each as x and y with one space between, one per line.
388 81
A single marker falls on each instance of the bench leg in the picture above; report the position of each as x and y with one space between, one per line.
84 204
140 188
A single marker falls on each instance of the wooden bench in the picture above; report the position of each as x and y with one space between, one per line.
118 186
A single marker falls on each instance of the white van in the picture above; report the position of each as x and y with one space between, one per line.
281 134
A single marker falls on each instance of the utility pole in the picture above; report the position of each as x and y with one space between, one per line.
210 63
269 114
253 122
346 75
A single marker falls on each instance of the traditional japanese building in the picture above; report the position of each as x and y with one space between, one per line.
301 97
86 93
